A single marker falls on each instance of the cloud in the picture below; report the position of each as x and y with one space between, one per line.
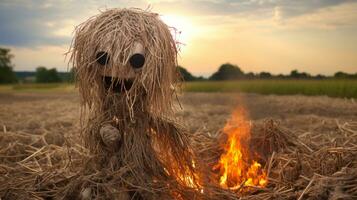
44 22
36 23
297 8
336 17
257 8
24 24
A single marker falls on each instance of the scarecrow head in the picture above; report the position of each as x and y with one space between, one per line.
125 56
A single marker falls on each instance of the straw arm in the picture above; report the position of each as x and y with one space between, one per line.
172 130
174 139
111 136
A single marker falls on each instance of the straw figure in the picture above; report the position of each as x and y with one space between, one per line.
125 65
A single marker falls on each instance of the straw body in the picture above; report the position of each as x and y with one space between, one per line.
125 64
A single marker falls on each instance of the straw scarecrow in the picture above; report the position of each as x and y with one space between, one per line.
125 64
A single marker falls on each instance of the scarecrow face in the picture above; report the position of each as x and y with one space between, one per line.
126 53
116 76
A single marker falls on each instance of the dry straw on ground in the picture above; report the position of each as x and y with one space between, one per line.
300 166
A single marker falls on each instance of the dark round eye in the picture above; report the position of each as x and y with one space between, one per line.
137 60
102 58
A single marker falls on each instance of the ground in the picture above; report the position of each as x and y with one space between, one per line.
58 113
296 112
320 124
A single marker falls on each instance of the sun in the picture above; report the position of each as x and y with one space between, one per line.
183 27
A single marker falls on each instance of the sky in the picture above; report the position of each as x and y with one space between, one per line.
315 36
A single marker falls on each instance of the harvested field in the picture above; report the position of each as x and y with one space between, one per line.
309 144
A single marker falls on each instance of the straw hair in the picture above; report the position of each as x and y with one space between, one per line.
116 31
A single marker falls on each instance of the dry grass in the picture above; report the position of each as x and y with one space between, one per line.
307 166
306 157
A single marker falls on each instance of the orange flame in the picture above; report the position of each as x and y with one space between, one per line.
189 179
237 168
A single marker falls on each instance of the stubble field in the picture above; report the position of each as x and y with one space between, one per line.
58 112
52 119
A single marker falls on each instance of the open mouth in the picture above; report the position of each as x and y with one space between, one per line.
117 85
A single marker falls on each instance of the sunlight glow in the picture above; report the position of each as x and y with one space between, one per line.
184 29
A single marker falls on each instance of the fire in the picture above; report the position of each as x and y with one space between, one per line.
184 174
189 179
236 166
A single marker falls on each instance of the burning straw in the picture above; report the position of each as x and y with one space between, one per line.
299 166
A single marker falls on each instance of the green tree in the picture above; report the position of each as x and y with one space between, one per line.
227 72
44 75
186 75
320 76
250 75
281 76
265 75
296 74
340 74
7 74
68 76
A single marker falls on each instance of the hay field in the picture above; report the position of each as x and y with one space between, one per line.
39 130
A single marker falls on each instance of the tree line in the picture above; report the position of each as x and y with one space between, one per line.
229 71
41 75
226 71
